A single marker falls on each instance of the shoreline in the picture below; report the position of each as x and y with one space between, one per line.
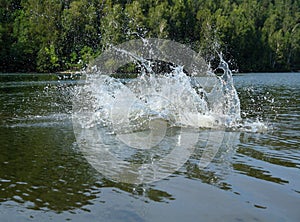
69 72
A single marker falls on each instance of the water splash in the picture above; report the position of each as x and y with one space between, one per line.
181 100
117 120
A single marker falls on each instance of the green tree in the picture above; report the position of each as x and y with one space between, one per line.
182 22
9 10
79 32
281 30
158 16
37 29
113 25
136 19
45 36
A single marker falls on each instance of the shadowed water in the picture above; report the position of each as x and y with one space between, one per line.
44 176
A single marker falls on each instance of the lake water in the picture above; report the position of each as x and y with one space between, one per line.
45 177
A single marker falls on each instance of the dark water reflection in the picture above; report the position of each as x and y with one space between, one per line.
43 175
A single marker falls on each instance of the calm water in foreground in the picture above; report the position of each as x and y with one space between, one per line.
45 177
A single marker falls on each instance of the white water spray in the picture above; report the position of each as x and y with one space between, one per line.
159 113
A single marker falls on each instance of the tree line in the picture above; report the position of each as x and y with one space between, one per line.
56 35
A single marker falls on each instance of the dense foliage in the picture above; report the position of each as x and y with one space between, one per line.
54 35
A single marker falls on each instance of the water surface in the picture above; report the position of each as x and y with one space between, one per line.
45 177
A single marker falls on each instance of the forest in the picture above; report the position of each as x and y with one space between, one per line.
60 35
